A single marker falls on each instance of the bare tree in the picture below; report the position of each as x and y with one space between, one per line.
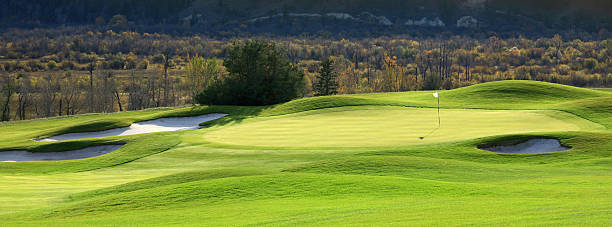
424 60
91 67
166 82
135 92
69 94
442 64
154 85
25 96
465 58
108 92
8 89
49 88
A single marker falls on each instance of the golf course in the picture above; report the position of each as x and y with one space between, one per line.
378 159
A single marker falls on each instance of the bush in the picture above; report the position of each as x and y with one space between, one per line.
432 82
158 59
35 65
564 69
66 65
259 74
590 63
116 63
130 62
144 64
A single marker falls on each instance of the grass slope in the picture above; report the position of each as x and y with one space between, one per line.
340 160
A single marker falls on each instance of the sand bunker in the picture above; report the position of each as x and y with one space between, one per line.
532 146
20 156
157 125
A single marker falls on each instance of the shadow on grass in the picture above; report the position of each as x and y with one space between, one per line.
74 145
93 126
236 114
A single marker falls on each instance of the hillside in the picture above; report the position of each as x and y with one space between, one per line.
357 17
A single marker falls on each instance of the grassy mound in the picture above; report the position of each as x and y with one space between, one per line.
289 185
595 109
171 179
526 91
315 103
509 94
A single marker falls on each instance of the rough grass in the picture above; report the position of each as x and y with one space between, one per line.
364 172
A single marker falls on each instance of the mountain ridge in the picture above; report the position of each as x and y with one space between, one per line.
312 16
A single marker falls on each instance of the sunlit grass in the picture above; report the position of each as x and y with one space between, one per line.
390 126
340 160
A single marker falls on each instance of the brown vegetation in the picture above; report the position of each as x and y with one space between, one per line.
49 73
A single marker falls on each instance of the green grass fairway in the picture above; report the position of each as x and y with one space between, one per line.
391 126
341 160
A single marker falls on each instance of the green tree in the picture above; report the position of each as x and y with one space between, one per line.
260 73
326 83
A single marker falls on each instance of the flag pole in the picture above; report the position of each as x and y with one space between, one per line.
438 109
436 96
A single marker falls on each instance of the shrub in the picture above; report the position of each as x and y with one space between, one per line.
564 69
116 63
590 63
144 64
35 65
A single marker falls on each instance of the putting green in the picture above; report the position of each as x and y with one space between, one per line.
391 126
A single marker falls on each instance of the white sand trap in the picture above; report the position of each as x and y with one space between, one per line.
20 156
157 125
532 146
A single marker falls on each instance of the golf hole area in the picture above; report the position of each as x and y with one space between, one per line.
22 156
531 146
157 125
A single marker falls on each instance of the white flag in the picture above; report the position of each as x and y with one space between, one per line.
435 94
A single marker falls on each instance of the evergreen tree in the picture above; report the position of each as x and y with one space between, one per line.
260 73
326 83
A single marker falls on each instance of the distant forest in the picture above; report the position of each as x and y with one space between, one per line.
65 57
46 73
346 17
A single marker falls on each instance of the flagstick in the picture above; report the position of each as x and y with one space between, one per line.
438 109
436 95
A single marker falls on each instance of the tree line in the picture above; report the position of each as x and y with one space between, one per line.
156 70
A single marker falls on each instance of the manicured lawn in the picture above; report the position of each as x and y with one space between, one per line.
391 126
340 160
